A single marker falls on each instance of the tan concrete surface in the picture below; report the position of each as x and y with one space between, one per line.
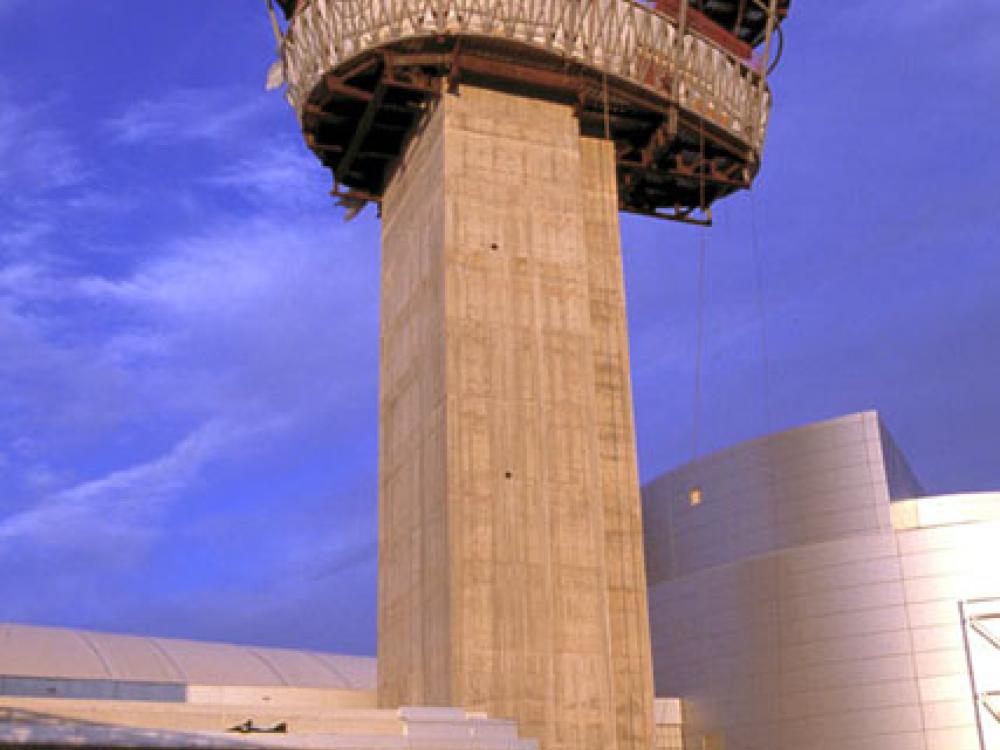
511 569
618 469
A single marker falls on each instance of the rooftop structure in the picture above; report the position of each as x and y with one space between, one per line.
675 86
51 661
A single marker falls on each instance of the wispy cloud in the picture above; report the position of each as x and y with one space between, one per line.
38 163
44 161
125 502
243 327
145 361
276 176
184 115
319 582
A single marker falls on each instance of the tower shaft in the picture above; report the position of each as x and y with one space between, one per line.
511 574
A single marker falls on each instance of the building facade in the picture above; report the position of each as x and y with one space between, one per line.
803 593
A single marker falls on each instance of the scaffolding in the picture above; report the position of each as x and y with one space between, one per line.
676 85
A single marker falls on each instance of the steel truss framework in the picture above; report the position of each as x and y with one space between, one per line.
688 118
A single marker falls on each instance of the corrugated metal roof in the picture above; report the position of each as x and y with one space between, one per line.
29 651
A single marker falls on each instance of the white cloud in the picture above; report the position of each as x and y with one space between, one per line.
34 157
260 311
101 202
125 501
244 328
210 114
38 165
25 231
47 187
277 176
242 332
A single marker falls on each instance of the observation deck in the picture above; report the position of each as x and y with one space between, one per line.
678 88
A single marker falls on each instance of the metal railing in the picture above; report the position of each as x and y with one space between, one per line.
617 37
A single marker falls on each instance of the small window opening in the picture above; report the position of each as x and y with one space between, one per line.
694 496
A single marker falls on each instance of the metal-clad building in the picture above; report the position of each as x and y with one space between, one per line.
803 594
63 663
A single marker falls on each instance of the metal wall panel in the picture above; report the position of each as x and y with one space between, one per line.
788 611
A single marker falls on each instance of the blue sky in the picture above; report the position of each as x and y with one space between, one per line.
188 329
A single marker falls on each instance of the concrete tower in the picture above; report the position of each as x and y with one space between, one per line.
511 565
500 139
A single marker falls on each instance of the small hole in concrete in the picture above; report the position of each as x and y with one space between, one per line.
508 475
494 246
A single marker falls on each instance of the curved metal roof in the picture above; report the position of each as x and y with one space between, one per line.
29 651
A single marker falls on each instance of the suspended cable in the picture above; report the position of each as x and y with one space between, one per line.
702 167
698 348
765 385
781 50
700 304
758 284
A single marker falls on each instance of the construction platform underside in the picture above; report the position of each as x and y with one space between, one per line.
681 97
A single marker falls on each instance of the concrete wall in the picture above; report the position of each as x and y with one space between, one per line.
794 607
413 645
511 573
618 478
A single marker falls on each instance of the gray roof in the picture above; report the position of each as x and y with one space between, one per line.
29 651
